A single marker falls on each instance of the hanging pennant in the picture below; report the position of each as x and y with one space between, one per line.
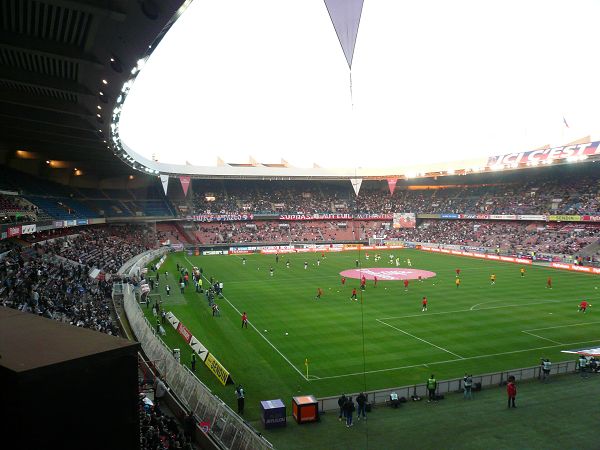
164 179
356 183
392 184
185 183
345 16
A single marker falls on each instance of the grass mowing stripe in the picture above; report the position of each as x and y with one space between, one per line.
256 329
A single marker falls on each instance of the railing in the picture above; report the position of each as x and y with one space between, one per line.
226 427
454 385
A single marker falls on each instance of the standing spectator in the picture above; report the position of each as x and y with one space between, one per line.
511 390
394 400
431 387
244 320
468 385
158 324
239 392
163 316
182 287
160 389
545 369
582 364
361 401
349 409
341 403
193 362
168 289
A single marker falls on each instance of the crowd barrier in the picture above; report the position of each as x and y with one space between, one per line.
226 427
454 385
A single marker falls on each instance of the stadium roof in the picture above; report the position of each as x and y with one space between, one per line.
62 64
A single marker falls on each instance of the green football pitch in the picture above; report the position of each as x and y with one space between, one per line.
384 339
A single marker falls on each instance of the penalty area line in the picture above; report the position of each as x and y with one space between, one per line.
256 329
541 337
457 360
419 339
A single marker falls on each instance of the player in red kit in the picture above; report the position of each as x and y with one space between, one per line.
406 285
549 283
363 283
374 281
457 273
343 281
424 304
583 306
353 297
319 293
244 320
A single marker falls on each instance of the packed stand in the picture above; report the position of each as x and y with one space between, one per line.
32 282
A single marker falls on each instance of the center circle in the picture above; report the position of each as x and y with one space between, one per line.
387 273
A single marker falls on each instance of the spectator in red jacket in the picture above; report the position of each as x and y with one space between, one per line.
511 390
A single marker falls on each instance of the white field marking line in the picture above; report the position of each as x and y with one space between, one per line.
540 337
419 339
474 307
456 360
256 329
467 310
563 326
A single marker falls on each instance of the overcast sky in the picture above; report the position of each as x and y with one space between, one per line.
433 80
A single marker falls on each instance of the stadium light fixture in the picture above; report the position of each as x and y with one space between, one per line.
104 82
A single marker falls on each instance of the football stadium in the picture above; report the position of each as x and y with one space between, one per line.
329 224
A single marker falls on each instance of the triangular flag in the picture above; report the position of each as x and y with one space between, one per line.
164 179
345 16
185 183
392 184
356 182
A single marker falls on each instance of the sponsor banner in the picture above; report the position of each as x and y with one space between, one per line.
540 217
242 249
217 369
220 217
215 252
595 351
177 247
590 218
70 223
4 235
200 349
404 220
575 268
59 224
503 217
96 221
82 221
174 321
478 255
449 216
373 216
13 231
549 154
184 332
28 229
564 218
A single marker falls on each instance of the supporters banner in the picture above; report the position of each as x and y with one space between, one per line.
373 216
82 221
564 218
164 179
217 369
404 220
184 332
145 288
356 184
13 231
392 184
58 224
571 152
503 217
220 217
315 217
185 183
595 351
449 216
28 229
